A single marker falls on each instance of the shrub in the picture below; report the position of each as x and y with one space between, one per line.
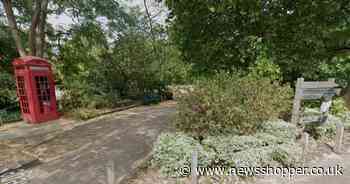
265 68
287 154
264 148
328 129
229 104
258 149
10 116
7 90
338 107
253 157
173 151
228 148
284 131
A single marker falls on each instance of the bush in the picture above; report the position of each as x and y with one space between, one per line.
7 90
265 68
255 150
10 116
287 154
229 104
173 151
284 131
326 130
229 148
339 107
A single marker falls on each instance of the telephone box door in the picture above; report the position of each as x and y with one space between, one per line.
43 86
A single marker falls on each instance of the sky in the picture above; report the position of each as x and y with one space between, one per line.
64 21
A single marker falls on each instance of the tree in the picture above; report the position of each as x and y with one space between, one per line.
299 35
38 11
7 53
13 25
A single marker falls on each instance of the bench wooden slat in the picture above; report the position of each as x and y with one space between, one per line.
319 84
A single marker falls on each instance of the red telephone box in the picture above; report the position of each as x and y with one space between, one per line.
35 89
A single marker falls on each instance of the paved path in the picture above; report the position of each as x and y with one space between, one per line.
80 155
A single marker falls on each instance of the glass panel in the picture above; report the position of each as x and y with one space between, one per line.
43 91
22 94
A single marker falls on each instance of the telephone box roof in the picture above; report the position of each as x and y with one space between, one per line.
31 61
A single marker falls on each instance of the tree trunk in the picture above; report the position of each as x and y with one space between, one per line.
151 27
33 28
41 29
13 26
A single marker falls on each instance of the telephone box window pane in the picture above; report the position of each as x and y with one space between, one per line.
43 91
22 94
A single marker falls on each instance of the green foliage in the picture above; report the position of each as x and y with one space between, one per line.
133 66
173 69
338 107
265 68
80 69
287 154
339 68
326 130
322 132
284 154
7 49
250 158
299 35
338 114
10 116
173 151
7 90
7 54
96 74
287 132
229 104
259 149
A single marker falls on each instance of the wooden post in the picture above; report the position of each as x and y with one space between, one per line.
305 145
339 137
110 172
297 101
194 165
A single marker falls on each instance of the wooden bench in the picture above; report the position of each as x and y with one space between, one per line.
318 90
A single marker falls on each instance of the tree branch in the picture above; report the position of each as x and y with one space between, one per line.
151 28
13 26
33 27
41 29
